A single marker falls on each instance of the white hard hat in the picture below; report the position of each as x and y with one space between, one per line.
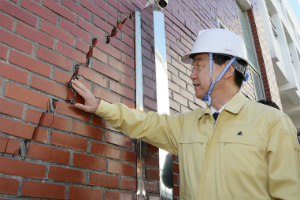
218 41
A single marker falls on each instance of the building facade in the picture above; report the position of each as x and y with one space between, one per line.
51 150
282 30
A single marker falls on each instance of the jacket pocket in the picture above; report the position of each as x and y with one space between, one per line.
243 165
191 156
256 142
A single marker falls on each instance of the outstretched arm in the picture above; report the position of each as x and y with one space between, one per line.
159 130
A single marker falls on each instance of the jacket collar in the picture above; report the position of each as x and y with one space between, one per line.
234 105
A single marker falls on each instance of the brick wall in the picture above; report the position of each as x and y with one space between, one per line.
48 148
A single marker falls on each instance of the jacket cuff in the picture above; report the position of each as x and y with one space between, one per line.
103 108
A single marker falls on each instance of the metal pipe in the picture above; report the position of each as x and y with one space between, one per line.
140 171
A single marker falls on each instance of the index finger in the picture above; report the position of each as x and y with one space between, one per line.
79 85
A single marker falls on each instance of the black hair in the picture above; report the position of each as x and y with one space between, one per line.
269 103
220 59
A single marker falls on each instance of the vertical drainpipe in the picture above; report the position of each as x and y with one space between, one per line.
163 106
140 171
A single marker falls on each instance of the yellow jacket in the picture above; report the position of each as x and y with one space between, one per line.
251 152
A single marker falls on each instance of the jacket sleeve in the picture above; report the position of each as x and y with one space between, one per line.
159 130
283 159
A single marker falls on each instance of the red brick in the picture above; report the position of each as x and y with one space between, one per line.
91 28
13 146
11 108
129 104
30 63
118 195
87 130
34 35
9 186
176 191
40 11
40 135
68 141
106 95
49 87
175 178
94 9
65 174
48 153
103 180
120 67
55 7
151 161
128 5
18 13
150 104
92 76
6 21
129 156
74 30
57 33
43 190
53 121
13 73
107 8
99 55
3 144
128 61
90 162
105 150
118 139
62 77
121 46
128 41
53 58
128 81
77 9
129 184
102 24
120 168
152 174
15 41
175 167
108 49
70 52
121 90
80 193
3 51
152 149
22 168
72 111
82 46
33 116
16 128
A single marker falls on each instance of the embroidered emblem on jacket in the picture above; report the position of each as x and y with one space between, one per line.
240 133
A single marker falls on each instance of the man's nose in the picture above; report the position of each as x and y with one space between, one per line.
193 75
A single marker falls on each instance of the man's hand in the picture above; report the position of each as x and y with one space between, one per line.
91 103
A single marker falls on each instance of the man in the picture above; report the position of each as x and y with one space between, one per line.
233 149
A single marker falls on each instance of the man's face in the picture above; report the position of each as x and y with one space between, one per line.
200 74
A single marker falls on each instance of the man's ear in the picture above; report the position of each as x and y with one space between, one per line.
230 72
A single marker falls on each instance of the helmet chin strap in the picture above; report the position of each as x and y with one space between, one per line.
207 97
